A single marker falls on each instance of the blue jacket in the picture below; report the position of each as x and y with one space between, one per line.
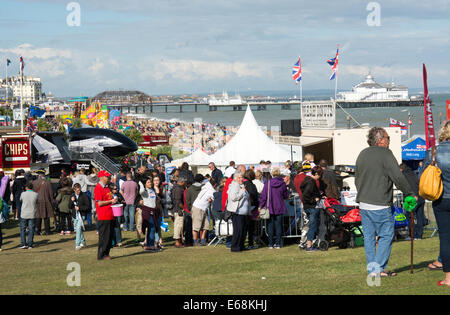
443 162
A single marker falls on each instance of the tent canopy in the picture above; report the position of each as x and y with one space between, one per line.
414 149
197 158
250 145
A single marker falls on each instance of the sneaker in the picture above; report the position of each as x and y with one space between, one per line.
270 247
311 249
277 247
83 245
68 233
30 247
62 233
23 247
78 247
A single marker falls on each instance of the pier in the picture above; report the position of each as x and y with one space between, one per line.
149 108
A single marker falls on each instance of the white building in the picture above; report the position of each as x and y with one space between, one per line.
31 90
5 91
369 90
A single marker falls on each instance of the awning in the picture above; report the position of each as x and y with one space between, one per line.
414 149
303 141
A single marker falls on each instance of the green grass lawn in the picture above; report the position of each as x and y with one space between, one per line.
206 270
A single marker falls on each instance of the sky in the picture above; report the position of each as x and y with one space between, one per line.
175 47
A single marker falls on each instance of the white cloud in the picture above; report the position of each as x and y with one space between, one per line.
188 70
28 51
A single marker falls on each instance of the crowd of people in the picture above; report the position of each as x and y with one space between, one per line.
194 202
184 136
149 196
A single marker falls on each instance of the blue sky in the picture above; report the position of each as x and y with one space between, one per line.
203 46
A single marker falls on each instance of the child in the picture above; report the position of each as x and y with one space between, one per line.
63 199
29 200
80 206
117 239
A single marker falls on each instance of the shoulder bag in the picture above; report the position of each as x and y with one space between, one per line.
430 185
264 212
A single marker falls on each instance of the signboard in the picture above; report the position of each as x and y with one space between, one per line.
448 109
348 198
288 140
169 168
152 141
318 114
15 152
16 113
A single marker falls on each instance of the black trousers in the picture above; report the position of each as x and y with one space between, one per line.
65 223
187 228
105 237
38 225
239 232
251 230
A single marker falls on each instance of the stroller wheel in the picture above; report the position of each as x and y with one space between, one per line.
323 245
343 245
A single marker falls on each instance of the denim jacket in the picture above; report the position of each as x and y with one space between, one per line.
443 162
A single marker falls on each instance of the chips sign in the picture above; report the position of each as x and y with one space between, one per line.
15 152
318 114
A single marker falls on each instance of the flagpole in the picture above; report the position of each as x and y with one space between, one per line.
301 93
21 99
6 94
336 73
335 86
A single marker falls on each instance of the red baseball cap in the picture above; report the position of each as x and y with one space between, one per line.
103 174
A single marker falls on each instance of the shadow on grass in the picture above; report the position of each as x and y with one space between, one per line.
143 252
416 267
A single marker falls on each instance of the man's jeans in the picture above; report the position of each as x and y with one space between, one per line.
23 227
79 239
128 214
377 223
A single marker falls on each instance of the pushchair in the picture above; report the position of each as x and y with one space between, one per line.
339 225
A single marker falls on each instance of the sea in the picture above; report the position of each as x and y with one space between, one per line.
272 116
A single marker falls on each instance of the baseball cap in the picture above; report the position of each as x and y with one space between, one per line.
103 174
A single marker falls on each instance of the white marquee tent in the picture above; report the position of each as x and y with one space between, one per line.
250 145
198 157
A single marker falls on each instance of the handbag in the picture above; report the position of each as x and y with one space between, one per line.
264 212
430 185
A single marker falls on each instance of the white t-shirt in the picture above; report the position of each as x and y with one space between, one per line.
368 206
149 197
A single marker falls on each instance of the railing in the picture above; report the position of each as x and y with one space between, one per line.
106 162
99 159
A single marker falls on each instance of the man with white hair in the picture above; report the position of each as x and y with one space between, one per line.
376 171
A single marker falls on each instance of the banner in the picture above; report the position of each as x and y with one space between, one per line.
448 109
429 125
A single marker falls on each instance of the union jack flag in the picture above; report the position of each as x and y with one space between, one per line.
333 62
297 71
31 125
